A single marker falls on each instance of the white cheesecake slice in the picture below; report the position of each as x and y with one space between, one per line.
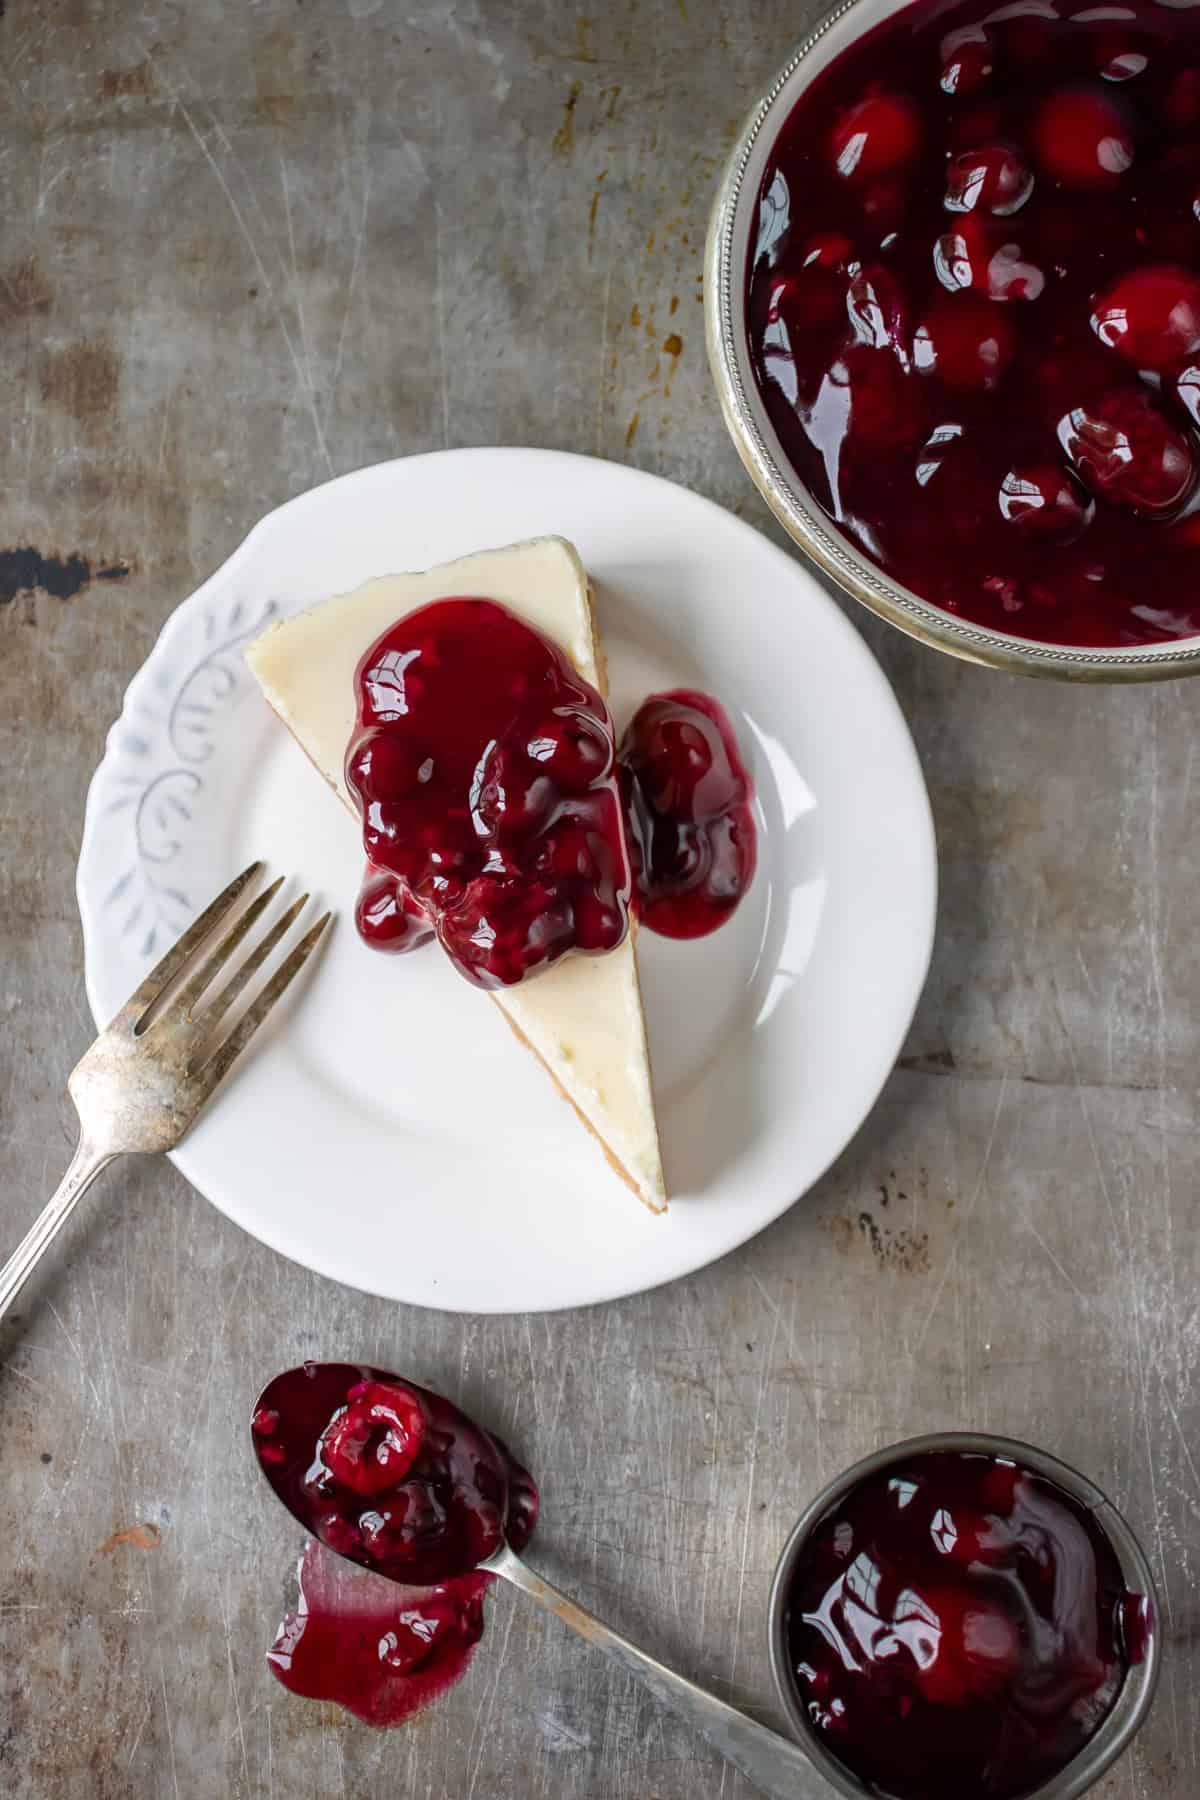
582 1017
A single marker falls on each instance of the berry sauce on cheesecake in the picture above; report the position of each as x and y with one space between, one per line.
959 1625
974 306
498 818
398 1480
484 767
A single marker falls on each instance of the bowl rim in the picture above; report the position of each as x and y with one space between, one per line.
1128 1712
755 440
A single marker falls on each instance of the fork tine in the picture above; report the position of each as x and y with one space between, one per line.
208 1074
164 972
196 984
225 996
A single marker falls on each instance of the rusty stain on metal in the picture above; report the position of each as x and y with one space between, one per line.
24 291
141 1537
84 379
564 137
593 209
118 83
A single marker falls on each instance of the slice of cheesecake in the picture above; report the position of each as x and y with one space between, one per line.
583 1017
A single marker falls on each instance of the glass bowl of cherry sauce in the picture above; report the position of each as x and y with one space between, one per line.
952 295
961 1615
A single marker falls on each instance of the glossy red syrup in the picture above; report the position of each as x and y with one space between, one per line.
380 1650
689 808
494 810
485 771
959 1626
400 1481
974 305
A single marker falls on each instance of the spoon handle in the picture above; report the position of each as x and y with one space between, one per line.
775 1766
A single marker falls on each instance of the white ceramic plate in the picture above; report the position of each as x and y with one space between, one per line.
390 1132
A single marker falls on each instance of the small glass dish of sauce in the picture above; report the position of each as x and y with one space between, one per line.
963 1615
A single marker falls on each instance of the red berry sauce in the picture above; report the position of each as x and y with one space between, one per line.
959 1625
388 1473
382 1651
688 799
485 770
398 1480
990 381
486 775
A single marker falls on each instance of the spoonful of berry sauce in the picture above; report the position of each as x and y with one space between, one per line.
396 1479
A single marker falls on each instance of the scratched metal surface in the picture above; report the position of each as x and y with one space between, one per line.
248 246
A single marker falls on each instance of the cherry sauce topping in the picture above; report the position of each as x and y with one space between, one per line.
689 808
397 1479
388 1473
959 1625
992 386
496 817
484 769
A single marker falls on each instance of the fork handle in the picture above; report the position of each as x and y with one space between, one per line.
86 1164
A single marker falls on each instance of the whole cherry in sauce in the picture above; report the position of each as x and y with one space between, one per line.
968 61
1044 501
959 1625
875 136
689 805
484 769
1124 449
994 178
1083 136
1151 317
389 1474
402 1483
1016 191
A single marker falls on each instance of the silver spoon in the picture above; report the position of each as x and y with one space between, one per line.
775 1766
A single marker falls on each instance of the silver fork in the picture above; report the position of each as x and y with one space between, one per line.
144 1080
